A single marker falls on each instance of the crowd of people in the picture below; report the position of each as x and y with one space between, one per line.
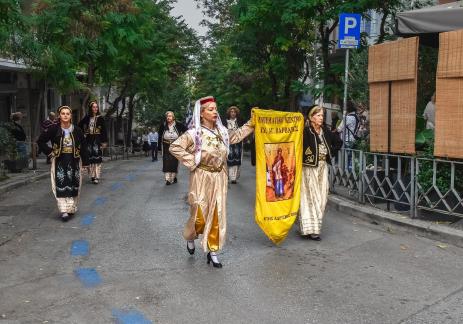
212 150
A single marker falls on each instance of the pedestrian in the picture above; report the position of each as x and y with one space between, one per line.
68 156
348 130
318 148
46 124
17 131
364 120
94 128
153 138
146 145
236 150
429 113
169 131
51 119
203 149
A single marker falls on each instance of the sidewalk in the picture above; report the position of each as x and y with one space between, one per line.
394 222
26 176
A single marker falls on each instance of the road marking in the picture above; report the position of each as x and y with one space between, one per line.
89 277
131 177
87 220
80 248
130 317
100 201
116 186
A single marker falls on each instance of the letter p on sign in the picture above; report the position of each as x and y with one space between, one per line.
351 22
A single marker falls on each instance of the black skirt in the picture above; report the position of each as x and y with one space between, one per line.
169 162
67 176
95 154
235 153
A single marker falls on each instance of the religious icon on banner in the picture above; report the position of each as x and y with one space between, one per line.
281 164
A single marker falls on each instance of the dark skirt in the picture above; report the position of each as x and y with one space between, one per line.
95 154
146 146
67 176
234 155
169 162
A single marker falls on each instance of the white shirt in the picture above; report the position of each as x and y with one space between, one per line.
153 137
430 115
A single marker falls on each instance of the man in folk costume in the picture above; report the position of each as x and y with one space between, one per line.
203 149
68 156
169 131
236 150
94 128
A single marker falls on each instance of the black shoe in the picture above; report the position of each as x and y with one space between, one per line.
93 180
168 183
175 180
314 237
209 260
65 217
191 251
233 181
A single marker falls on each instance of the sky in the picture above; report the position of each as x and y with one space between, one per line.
191 14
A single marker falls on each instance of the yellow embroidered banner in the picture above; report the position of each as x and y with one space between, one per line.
278 170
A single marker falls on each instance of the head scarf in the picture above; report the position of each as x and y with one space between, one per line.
195 128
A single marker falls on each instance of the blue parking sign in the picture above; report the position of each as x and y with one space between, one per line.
349 30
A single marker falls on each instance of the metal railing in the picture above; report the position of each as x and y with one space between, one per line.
399 183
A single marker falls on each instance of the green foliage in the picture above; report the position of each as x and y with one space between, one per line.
443 172
7 142
152 106
11 25
358 78
134 46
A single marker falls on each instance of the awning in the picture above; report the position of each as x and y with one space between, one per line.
431 20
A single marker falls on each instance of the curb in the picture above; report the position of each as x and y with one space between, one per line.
23 182
397 222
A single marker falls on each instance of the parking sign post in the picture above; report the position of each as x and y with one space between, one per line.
349 37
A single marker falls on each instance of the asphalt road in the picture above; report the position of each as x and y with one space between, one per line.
123 260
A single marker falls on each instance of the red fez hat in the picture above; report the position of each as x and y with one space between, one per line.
205 100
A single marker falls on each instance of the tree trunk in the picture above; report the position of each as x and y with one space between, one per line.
130 119
382 27
293 101
274 83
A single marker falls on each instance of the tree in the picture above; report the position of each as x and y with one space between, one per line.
11 26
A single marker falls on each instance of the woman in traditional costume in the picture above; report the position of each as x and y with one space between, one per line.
68 156
236 150
169 131
203 149
93 126
318 151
